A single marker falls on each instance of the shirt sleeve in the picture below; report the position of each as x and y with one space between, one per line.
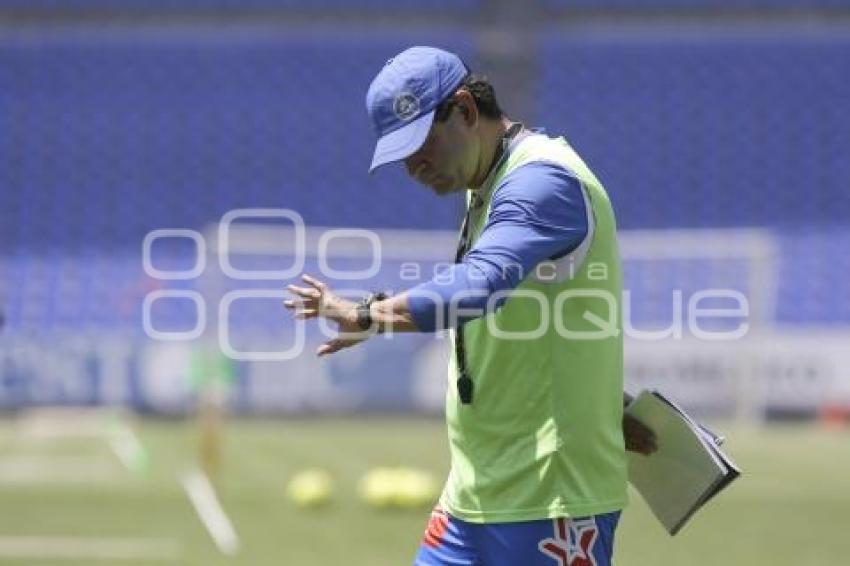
537 213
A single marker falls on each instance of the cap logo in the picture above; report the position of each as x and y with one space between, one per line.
406 106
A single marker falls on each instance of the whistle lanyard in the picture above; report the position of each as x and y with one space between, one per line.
465 385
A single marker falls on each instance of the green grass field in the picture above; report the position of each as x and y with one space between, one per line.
790 508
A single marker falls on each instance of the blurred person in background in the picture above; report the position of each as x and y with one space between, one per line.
535 400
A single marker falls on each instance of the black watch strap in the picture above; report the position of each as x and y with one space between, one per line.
364 313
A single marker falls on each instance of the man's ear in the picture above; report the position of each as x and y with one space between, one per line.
468 109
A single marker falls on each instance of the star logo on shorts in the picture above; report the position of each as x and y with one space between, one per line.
572 544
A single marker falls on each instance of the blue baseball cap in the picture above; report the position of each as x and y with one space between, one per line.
403 97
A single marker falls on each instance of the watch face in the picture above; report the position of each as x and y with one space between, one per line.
364 317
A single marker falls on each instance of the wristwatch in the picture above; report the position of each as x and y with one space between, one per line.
364 314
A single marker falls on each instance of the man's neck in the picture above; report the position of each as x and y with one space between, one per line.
492 134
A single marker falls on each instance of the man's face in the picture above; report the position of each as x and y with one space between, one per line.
446 162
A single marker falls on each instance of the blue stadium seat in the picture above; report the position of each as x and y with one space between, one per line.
694 4
106 138
699 128
143 132
814 287
163 6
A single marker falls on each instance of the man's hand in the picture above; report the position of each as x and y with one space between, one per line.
639 437
318 301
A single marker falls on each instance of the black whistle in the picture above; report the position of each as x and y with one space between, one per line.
464 389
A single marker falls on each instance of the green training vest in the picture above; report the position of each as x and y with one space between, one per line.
543 436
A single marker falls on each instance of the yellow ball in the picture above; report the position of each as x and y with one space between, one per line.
310 488
398 488
415 488
377 487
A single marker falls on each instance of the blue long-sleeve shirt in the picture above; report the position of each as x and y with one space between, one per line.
537 213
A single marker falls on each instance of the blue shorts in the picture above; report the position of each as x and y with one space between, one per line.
586 541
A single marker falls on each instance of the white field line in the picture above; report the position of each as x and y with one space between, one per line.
52 425
56 469
76 548
126 446
209 510
61 424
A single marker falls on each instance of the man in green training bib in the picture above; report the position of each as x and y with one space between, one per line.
535 399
